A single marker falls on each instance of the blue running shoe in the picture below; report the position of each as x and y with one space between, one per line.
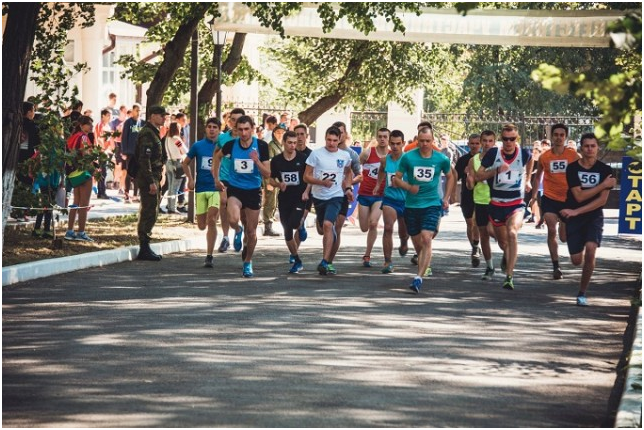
238 239
297 266
416 284
225 244
291 259
248 270
323 268
582 301
303 233
388 268
70 235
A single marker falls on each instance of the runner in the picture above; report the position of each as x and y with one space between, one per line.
287 174
506 170
369 211
249 163
329 171
393 201
206 195
552 165
481 198
302 133
589 182
423 205
467 197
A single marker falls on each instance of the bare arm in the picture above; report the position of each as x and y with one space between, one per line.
591 206
381 175
583 195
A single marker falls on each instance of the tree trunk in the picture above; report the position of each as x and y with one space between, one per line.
313 112
18 40
209 87
175 50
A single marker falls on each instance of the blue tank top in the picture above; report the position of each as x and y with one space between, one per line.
244 173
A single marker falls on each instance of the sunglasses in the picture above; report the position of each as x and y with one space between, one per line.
509 139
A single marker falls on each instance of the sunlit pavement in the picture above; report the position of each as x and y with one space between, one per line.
174 344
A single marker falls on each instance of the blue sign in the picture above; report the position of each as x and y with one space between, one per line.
630 197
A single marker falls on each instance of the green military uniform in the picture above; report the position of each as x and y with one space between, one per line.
151 156
270 196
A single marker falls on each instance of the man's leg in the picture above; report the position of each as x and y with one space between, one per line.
389 216
551 220
250 228
474 239
425 256
211 233
373 219
512 226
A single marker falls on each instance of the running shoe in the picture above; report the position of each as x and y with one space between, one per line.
291 259
224 245
82 236
414 260
303 233
488 275
582 301
388 268
70 235
504 264
428 272
366 261
508 284
476 256
237 242
47 234
416 284
402 250
248 270
208 261
331 269
557 274
323 268
297 267
36 233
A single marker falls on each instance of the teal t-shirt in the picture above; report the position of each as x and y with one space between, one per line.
425 172
224 167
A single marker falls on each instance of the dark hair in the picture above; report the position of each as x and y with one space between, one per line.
111 96
271 120
302 125
423 124
562 126
105 112
179 115
397 133
288 134
426 130
238 111
381 129
27 107
488 133
82 120
77 104
174 129
473 136
245 119
213 120
339 124
587 136
334 130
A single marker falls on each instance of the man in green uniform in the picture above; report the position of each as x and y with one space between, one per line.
151 157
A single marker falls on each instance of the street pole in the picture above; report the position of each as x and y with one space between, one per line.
194 68
218 51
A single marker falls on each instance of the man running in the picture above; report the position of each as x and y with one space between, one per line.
393 201
287 175
589 182
481 198
506 170
552 165
249 163
467 197
423 205
328 170
206 195
369 211
302 134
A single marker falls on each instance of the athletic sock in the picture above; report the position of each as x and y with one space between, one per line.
490 263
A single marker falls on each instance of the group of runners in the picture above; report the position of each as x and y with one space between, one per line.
410 188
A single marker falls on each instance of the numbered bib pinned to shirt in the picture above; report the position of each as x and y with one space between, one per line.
509 177
291 178
329 175
423 174
558 166
390 179
372 170
244 165
588 179
206 163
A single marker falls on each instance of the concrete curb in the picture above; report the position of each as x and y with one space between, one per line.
55 266
629 414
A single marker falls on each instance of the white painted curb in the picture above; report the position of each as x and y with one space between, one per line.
629 414
55 266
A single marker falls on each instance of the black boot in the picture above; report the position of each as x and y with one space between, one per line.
268 229
146 253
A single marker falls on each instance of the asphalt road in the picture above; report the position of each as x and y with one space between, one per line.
173 344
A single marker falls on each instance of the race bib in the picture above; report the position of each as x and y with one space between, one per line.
291 178
558 166
423 174
508 177
372 170
244 165
390 179
588 179
206 163
329 175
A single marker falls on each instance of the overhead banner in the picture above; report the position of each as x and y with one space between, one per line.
630 197
577 29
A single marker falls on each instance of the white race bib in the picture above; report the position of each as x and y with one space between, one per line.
508 177
291 178
372 170
329 175
206 163
244 165
558 166
423 174
390 179
588 179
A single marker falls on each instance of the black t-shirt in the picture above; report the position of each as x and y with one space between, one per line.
306 151
578 176
461 165
292 173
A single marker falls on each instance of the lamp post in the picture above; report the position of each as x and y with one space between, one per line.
219 39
